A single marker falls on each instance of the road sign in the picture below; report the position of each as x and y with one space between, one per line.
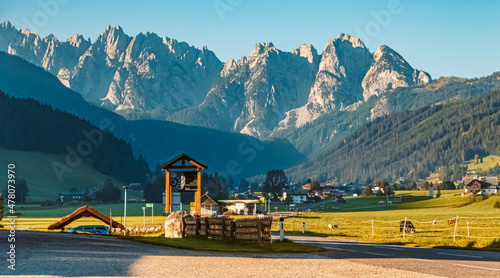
246 211
192 206
149 205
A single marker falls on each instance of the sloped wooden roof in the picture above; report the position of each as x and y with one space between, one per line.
84 211
207 201
183 157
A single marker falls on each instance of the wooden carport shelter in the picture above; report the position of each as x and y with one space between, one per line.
179 163
84 211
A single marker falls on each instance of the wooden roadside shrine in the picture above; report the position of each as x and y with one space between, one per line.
183 163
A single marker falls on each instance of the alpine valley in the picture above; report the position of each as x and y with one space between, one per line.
298 103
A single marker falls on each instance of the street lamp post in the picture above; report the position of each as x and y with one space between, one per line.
125 208
144 216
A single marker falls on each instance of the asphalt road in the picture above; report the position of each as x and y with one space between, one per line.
73 255
431 261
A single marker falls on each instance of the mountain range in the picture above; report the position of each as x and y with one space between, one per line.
262 94
238 155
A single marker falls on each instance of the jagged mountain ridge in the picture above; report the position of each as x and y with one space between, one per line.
270 90
122 73
234 154
148 77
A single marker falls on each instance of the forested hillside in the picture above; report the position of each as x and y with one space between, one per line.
31 126
412 143
331 128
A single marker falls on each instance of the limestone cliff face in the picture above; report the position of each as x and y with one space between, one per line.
270 90
122 73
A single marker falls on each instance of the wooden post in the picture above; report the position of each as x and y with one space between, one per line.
223 226
455 230
404 229
183 227
259 232
317 226
110 222
468 235
197 227
232 230
198 193
168 194
206 227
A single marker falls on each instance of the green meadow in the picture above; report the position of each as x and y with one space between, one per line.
44 182
360 218
363 219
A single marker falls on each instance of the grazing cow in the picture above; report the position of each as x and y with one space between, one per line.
452 222
332 226
409 226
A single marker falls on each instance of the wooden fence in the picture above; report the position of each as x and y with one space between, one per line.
250 229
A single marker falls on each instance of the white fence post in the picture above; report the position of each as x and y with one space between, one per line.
455 230
468 235
282 228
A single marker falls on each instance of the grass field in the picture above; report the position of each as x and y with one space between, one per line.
483 221
39 217
403 199
489 162
354 219
43 182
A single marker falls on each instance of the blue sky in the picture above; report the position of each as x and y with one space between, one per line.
459 38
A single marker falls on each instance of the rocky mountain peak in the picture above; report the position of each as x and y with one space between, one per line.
388 71
261 48
77 40
355 41
6 24
307 51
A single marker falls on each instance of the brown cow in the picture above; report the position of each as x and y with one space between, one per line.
452 222
409 226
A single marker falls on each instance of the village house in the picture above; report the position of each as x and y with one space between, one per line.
248 195
72 196
238 206
298 198
209 206
480 185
